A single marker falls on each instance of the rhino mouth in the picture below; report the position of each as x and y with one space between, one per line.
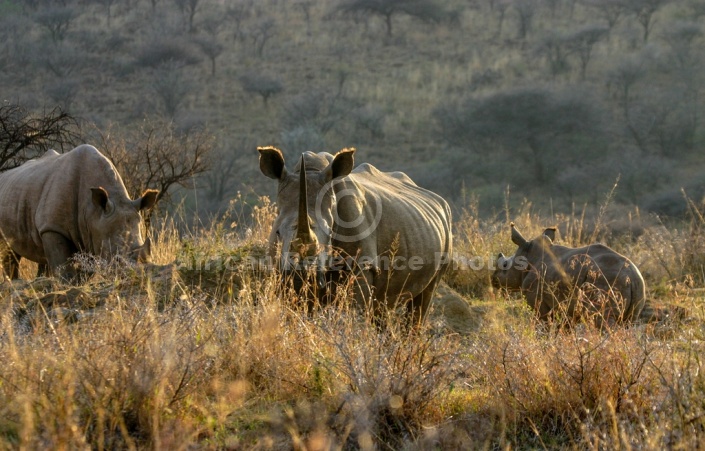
499 285
307 281
143 253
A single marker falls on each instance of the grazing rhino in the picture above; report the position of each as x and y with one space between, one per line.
393 235
552 278
58 205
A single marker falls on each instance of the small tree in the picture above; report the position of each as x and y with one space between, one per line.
425 10
611 10
306 110
174 52
263 31
223 180
57 20
172 88
500 6
108 8
520 120
697 9
680 37
213 20
60 60
263 85
582 43
686 65
188 8
644 11
210 47
525 9
555 47
622 78
154 6
237 12
24 135
157 155
302 139
63 91
305 7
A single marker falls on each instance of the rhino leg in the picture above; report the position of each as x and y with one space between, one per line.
418 307
636 298
533 290
363 291
59 250
11 264
42 270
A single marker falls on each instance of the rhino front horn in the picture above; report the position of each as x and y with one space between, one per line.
303 229
142 253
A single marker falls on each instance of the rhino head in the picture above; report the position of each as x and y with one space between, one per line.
116 226
510 271
302 232
505 275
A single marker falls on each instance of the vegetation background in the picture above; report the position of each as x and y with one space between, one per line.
549 99
525 110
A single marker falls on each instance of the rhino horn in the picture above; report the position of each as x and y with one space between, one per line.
303 229
517 238
142 253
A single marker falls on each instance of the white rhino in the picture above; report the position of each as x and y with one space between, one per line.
593 279
383 228
58 205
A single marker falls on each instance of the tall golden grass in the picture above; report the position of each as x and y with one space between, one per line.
177 355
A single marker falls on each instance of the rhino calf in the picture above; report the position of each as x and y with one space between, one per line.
57 205
593 280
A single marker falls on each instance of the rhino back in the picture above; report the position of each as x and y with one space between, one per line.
610 271
612 265
421 216
52 193
397 213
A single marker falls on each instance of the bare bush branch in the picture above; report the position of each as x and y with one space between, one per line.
24 135
157 155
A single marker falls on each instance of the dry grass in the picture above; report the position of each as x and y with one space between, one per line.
156 358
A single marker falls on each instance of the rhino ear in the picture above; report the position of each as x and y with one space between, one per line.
271 162
550 233
147 201
341 165
517 238
101 199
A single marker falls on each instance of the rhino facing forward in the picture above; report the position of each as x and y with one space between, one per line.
393 235
57 205
593 279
